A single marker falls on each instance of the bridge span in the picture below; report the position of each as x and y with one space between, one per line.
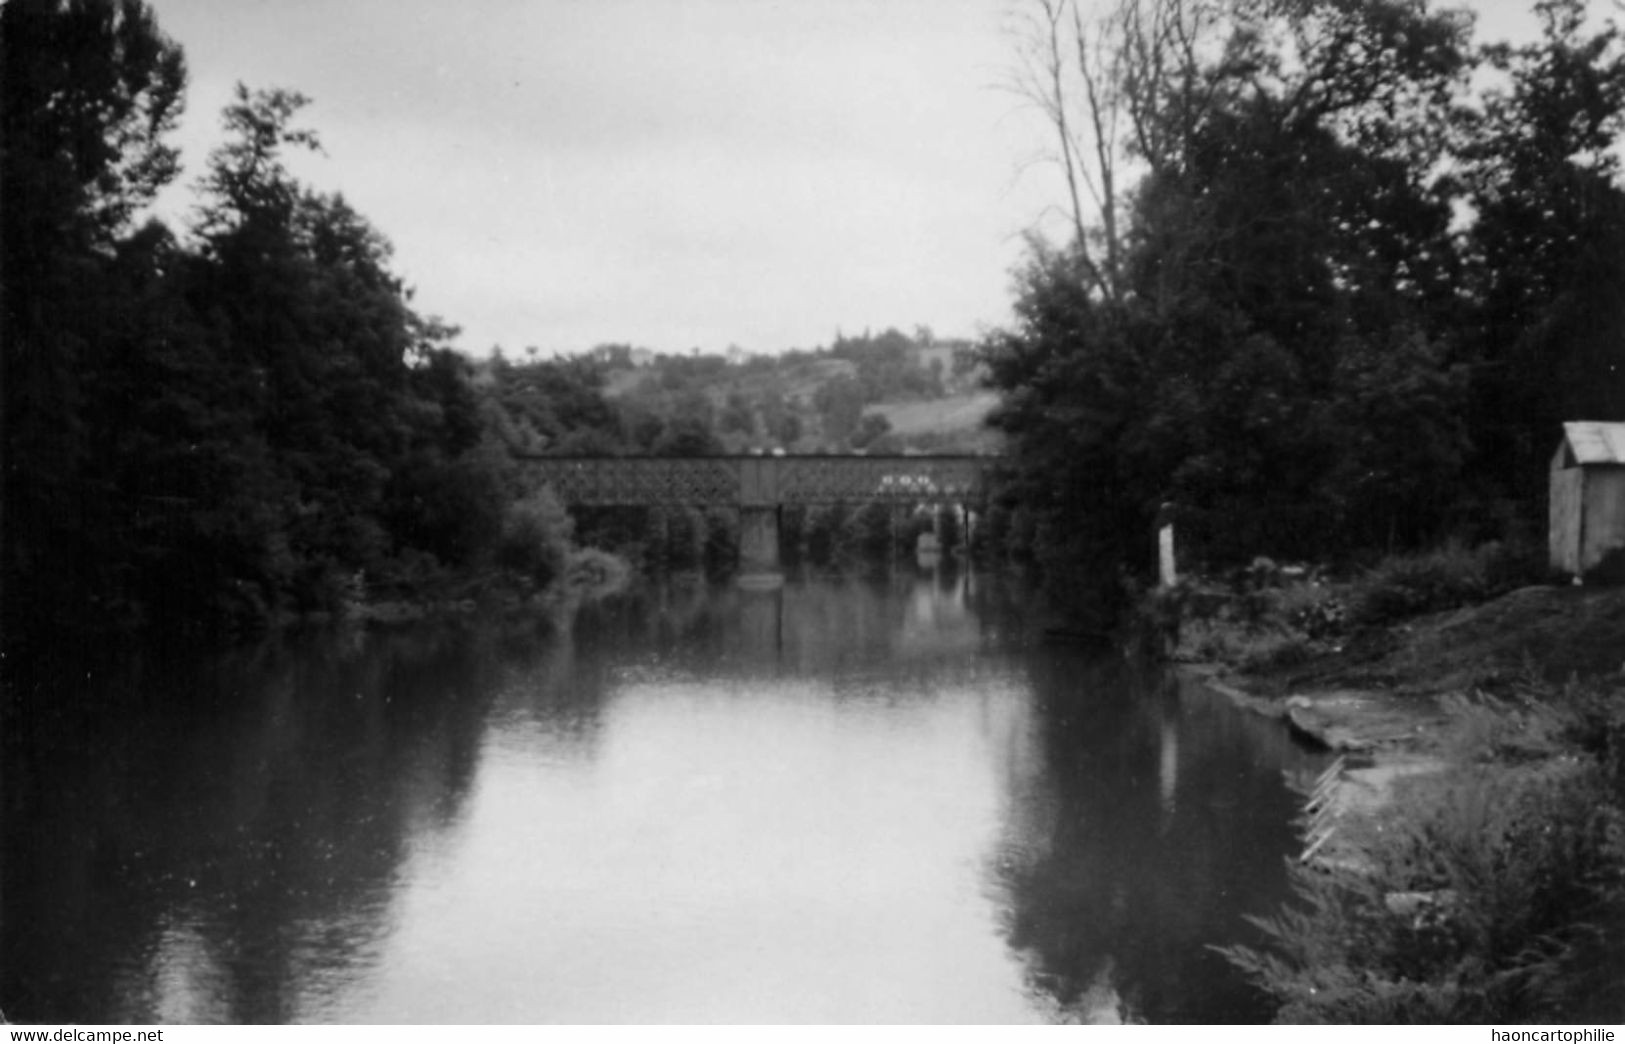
760 486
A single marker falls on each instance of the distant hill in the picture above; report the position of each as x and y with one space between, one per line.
956 420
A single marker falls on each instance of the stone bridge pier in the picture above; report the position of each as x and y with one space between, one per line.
759 541
759 510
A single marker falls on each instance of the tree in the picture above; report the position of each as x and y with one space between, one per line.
789 429
1547 248
737 414
690 429
1286 248
535 538
206 432
92 88
246 182
360 401
89 91
871 428
560 406
1120 94
1072 374
840 403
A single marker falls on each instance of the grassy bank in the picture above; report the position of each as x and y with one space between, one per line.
1465 862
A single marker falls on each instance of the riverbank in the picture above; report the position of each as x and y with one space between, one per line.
1399 701
1480 748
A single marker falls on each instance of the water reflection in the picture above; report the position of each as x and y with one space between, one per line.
862 800
1148 817
221 837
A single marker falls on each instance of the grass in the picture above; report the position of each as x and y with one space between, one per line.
1496 895
1267 619
1495 890
1248 649
952 414
1253 629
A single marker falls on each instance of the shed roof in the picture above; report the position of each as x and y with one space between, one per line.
1595 442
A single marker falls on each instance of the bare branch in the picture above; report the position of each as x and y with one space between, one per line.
1102 110
1121 93
1053 10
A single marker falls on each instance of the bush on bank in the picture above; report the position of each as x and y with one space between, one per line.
1442 578
1498 895
1493 893
1267 617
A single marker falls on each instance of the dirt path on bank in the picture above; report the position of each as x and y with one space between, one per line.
1391 700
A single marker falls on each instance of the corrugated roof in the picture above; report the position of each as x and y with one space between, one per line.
1596 442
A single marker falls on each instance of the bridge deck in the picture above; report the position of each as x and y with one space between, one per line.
760 481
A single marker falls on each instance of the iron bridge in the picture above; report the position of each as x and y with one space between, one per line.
764 481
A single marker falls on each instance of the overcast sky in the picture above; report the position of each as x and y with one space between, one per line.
670 173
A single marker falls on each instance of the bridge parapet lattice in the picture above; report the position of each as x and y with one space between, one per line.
905 480
630 481
754 480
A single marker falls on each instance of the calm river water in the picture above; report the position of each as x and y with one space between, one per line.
846 801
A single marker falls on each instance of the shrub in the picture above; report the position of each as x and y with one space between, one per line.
1250 649
1595 724
1408 584
822 527
1486 728
1311 608
869 531
674 539
1274 651
452 509
1511 564
535 539
1492 903
597 572
1253 628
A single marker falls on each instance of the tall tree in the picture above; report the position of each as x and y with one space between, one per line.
355 394
1548 244
89 89
1285 250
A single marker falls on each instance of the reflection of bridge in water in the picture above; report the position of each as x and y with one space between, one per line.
759 486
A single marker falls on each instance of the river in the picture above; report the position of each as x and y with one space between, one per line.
856 801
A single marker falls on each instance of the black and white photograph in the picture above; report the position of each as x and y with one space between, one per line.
906 514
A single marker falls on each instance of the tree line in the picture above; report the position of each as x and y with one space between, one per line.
1331 277
236 419
803 400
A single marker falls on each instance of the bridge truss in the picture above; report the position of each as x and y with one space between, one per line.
759 481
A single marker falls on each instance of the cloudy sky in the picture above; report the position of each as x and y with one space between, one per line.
670 173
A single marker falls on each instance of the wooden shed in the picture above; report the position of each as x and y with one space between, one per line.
1588 501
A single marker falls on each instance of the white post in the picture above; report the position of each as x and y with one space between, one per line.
1165 555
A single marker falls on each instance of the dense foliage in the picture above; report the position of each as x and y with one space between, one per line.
241 419
1354 286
